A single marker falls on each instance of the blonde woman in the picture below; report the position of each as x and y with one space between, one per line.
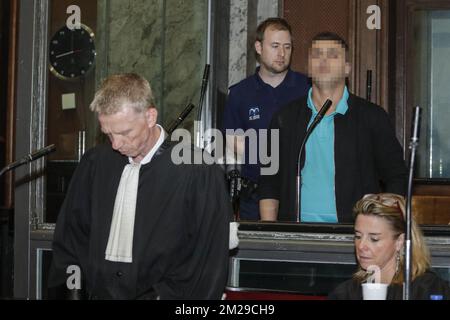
379 242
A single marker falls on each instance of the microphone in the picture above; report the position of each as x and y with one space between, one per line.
326 106
171 128
318 118
180 118
203 90
183 115
29 158
41 152
205 80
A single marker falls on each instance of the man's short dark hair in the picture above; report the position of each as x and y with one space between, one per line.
278 24
324 36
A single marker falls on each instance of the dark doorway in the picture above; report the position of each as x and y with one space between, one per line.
6 238
4 40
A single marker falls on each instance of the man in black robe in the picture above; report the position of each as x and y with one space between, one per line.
137 225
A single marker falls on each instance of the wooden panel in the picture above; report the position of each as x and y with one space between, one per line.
7 104
308 18
369 49
431 209
3 78
431 189
371 53
431 203
64 125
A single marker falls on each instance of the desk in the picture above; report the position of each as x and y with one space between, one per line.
307 260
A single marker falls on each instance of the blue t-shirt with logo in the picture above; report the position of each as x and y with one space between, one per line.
252 103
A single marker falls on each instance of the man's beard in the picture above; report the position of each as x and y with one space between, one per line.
276 68
327 83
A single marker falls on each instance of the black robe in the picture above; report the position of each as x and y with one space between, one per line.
422 288
181 232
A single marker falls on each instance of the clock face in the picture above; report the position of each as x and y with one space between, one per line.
72 52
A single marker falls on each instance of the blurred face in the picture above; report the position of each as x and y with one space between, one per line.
275 50
327 65
376 243
130 132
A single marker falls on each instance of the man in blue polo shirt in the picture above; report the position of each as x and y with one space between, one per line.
252 102
353 151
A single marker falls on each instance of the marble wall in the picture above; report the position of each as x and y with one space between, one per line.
164 41
245 15
238 41
184 56
268 8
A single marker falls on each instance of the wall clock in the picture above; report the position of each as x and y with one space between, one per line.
72 52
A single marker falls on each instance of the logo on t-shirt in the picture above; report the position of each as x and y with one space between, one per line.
253 114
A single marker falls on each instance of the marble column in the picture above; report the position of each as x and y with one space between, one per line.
267 9
164 41
184 56
245 15
238 41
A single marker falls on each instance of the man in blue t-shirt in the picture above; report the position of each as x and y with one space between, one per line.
253 101
353 151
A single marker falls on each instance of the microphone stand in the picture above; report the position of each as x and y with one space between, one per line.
171 128
298 181
28 158
183 115
200 142
414 143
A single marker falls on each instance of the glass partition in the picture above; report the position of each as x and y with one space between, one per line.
429 70
431 46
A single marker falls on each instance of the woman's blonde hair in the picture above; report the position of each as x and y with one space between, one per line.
391 207
118 90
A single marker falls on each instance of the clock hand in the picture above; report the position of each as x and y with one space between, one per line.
67 53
